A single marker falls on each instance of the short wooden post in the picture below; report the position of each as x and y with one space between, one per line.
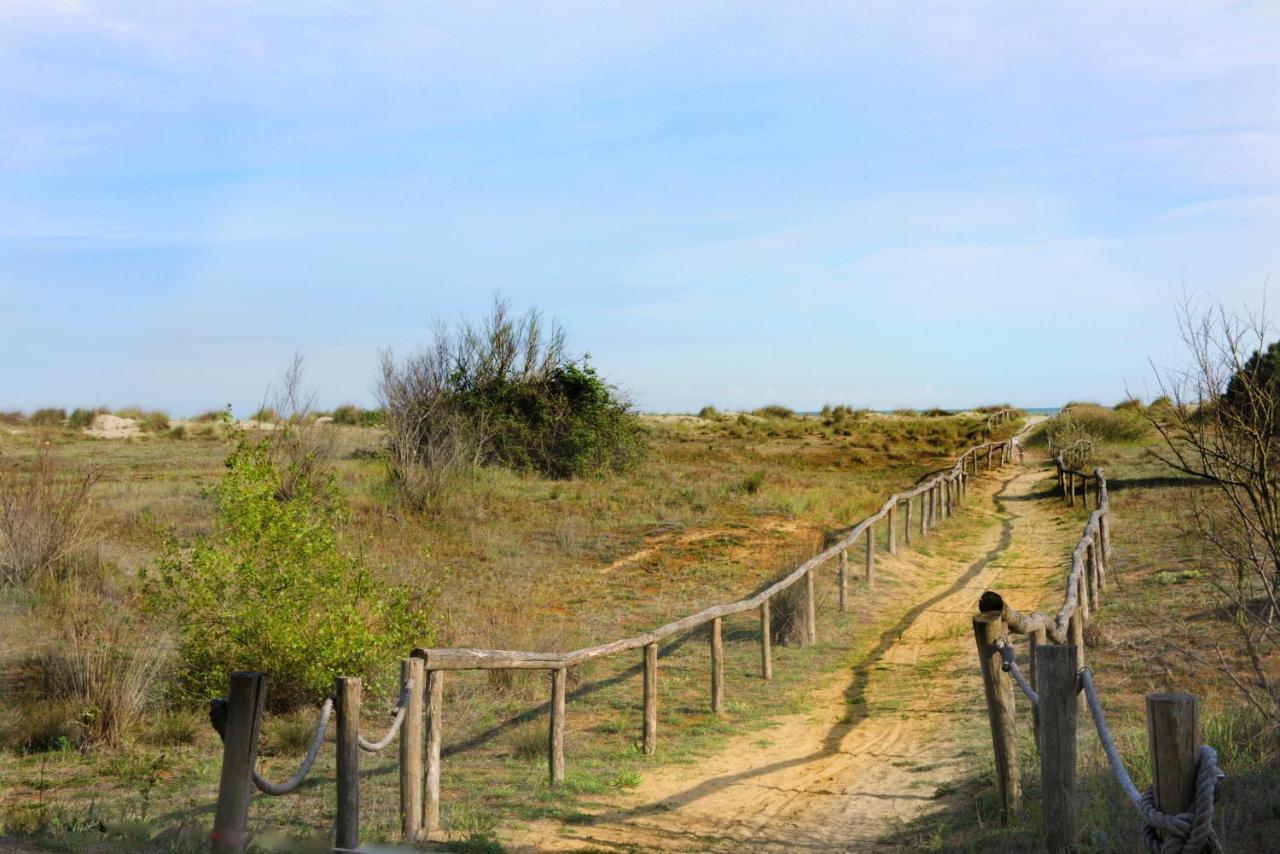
1091 584
926 510
239 755
871 555
1082 593
650 737
1057 672
1173 738
844 579
906 521
347 827
1075 629
1100 555
1072 499
555 733
989 457
998 687
435 736
766 641
810 610
717 668
924 515
892 526
411 743
1104 531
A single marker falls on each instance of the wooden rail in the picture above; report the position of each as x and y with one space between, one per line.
938 495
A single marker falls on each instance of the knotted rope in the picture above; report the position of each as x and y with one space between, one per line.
1010 666
1181 833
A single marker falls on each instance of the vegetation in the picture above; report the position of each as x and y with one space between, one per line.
775 410
350 415
48 417
44 514
272 591
503 393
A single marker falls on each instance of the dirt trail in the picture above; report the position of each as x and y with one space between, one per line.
884 742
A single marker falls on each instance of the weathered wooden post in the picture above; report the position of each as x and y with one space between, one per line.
650 737
844 579
1072 499
1057 671
239 755
555 729
766 641
1099 555
906 521
998 687
1173 738
810 610
717 667
989 449
924 516
347 827
411 743
926 512
435 737
1090 580
892 526
871 549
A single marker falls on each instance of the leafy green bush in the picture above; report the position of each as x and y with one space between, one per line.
270 590
48 417
81 419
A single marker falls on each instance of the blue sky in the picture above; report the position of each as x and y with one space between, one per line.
881 204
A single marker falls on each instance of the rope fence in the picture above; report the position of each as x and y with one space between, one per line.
1177 809
418 715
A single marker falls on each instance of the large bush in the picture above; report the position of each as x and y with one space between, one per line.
506 393
271 590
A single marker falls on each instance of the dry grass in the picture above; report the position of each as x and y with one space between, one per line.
44 514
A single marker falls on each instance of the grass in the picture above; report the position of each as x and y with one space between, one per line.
1157 590
517 561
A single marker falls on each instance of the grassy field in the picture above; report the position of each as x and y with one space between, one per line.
719 506
1158 600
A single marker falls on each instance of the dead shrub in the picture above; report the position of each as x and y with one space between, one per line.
787 617
44 514
301 449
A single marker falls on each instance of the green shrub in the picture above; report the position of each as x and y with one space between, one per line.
48 417
212 416
81 419
270 590
14 417
155 422
775 410
935 412
710 413
179 432
1131 403
130 412
348 414
180 726
751 483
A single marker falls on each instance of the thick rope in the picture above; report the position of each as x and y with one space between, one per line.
1010 665
269 788
380 745
1181 833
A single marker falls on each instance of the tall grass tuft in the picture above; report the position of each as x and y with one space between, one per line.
44 514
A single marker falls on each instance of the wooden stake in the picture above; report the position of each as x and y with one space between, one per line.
435 735
891 533
810 610
924 517
347 828
1173 738
411 743
650 738
1057 671
717 667
239 755
998 688
906 521
871 557
844 579
555 734
766 641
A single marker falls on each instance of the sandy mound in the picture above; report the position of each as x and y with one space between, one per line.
113 427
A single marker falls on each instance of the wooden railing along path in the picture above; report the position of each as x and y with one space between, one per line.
422 678
1177 811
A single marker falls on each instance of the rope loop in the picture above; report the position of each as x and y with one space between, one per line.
1185 832
267 787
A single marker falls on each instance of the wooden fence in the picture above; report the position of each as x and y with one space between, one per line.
1178 810
422 675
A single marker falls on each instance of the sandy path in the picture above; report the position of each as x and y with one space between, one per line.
884 742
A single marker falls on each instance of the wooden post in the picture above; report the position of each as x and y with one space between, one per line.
1072 478
555 734
1082 593
988 458
1091 584
926 512
347 828
766 641
924 516
717 668
411 670
871 556
844 579
906 521
1173 738
1100 555
810 610
239 754
435 734
1057 672
998 686
650 738
892 529
1075 629
1104 530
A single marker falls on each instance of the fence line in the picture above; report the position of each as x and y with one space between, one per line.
1177 810
238 719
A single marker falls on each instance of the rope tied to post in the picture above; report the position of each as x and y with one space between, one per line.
1180 833
1010 665
401 704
